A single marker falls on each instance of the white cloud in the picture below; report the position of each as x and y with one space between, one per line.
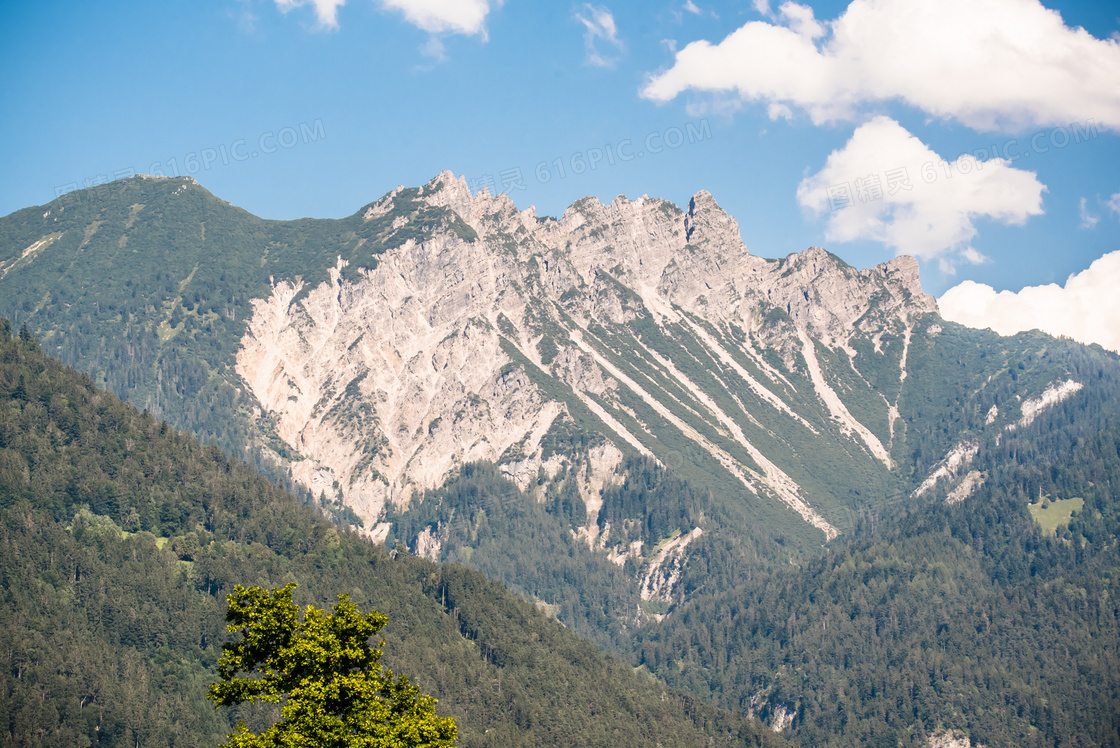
434 16
1114 203
691 8
242 12
1088 220
1086 309
326 11
599 32
444 16
779 111
990 64
972 257
434 48
887 186
801 21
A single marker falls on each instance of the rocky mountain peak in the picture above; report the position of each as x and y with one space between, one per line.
458 347
903 271
706 221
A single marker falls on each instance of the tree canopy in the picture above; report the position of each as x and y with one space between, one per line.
337 693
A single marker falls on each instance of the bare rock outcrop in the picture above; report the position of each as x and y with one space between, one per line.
452 348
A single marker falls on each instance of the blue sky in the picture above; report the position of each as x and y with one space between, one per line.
312 108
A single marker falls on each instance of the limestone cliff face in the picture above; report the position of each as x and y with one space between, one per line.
385 385
480 340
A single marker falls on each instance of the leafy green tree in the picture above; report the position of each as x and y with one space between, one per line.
338 696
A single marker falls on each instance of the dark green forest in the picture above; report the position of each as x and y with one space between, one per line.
964 616
119 538
484 521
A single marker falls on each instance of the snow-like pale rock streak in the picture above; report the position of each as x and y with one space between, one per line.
778 481
759 389
1050 397
836 406
950 466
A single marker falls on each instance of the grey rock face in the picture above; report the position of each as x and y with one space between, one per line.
456 349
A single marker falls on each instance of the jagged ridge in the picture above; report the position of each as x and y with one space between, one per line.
473 345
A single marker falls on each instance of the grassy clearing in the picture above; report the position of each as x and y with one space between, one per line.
662 543
1055 513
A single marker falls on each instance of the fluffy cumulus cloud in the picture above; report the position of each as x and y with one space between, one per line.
887 186
435 16
990 64
600 35
1086 309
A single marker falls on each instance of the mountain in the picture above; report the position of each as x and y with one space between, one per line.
119 538
592 360
785 485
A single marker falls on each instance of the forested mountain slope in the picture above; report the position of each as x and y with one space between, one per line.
964 614
120 536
